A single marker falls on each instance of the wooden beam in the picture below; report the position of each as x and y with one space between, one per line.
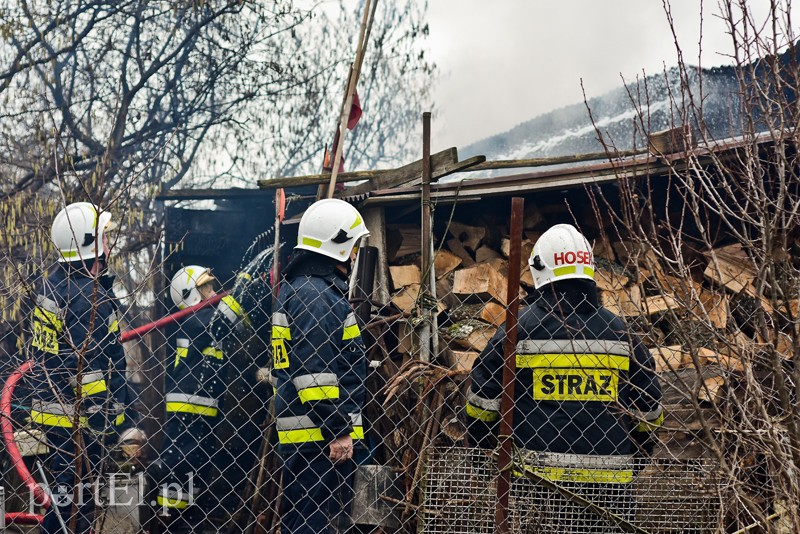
210 194
404 173
448 169
543 162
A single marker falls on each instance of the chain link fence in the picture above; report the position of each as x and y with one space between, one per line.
203 389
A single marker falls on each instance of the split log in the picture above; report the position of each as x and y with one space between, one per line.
490 312
610 281
406 299
713 308
668 358
525 276
485 253
603 249
731 268
677 139
725 361
445 262
625 302
458 249
471 335
483 281
462 360
470 236
402 241
405 275
659 304
533 216
712 390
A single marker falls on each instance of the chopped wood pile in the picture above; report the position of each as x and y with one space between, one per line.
700 329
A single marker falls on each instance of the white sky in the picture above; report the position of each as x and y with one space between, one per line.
503 62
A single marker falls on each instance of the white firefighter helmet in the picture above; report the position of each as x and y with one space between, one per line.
183 288
561 253
77 231
331 227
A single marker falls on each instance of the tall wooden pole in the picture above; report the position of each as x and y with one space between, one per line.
509 368
425 332
355 72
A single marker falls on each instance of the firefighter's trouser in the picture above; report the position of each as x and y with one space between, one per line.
317 494
61 467
188 448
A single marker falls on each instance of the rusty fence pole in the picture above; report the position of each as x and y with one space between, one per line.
509 368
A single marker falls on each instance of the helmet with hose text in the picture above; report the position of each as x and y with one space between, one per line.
561 253
331 227
77 232
183 288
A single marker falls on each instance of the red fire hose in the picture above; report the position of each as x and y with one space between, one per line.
40 497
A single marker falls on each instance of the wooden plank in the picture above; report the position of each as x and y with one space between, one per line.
448 169
407 171
660 303
440 163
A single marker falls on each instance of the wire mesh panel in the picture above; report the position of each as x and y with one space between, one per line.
667 496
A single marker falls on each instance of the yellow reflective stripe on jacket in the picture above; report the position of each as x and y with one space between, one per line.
574 361
46 327
234 305
571 474
93 388
197 409
51 419
488 416
318 393
303 435
357 433
65 421
213 352
166 502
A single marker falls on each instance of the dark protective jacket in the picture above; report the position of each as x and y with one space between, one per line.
584 385
74 330
193 384
319 361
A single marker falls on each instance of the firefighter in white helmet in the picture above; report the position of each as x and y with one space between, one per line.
319 370
74 330
193 391
587 399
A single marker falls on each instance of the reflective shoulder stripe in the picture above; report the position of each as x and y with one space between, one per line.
351 329
280 326
280 319
49 305
573 361
113 323
181 349
573 346
231 308
482 402
212 352
487 416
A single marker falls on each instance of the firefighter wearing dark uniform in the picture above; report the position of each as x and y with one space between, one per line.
241 328
586 395
319 368
192 392
74 331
